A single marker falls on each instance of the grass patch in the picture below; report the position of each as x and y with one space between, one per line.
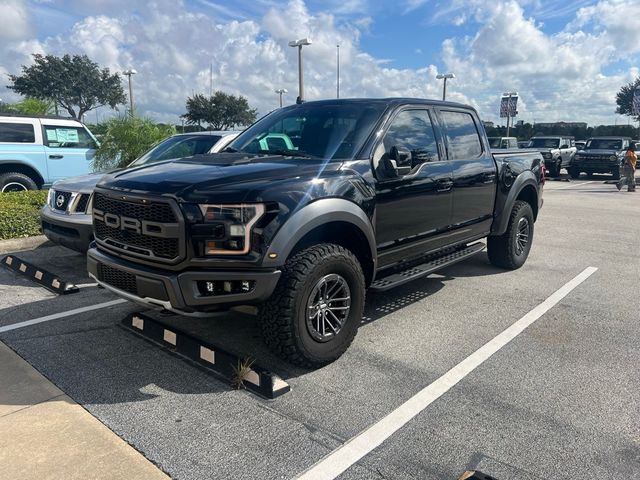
20 213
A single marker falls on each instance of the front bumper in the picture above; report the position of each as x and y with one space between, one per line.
177 292
71 231
595 165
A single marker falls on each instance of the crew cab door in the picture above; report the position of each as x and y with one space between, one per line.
474 173
69 150
414 180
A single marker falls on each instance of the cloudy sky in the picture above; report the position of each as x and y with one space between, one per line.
567 59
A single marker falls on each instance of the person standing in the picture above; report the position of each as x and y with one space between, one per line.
629 169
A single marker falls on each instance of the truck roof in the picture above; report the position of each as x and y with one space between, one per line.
388 101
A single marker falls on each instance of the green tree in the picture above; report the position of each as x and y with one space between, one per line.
70 81
126 138
221 111
624 98
30 106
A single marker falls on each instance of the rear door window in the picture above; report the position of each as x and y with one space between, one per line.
17 133
461 134
68 137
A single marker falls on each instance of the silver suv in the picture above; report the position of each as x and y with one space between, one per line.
557 151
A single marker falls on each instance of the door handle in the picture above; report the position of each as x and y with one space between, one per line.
55 157
445 185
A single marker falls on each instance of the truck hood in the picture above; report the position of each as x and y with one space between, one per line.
81 184
217 177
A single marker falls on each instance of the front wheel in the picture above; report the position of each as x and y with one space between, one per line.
16 182
616 173
574 172
313 315
511 249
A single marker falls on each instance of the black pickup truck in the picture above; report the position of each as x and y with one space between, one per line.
310 207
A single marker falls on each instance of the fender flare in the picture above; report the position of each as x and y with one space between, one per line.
311 216
501 220
37 177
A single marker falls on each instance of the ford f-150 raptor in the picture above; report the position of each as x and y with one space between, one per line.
347 195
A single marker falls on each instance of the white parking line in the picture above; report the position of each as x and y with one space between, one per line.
568 186
343 457
55 316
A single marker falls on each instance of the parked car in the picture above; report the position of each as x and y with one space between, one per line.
66 218
37 151
503 142
600 155
375 193
557 151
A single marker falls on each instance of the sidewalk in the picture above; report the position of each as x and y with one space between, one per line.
44 434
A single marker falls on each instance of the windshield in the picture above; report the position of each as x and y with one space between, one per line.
604 144
327 131
178 146
494 142
544 143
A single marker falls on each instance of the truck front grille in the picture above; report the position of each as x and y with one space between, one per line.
124 281
124 232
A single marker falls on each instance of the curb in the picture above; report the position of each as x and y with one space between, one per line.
24 243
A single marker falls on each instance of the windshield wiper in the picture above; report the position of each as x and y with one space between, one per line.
229 150
289 152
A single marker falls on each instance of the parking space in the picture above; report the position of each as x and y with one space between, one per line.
557 401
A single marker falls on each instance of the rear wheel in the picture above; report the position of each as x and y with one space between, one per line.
511 249
314 313
16 182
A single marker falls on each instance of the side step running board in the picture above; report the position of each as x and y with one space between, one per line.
424 269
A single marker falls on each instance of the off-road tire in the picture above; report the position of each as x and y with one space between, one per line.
554 171
9 179
574 172
283 316
502 249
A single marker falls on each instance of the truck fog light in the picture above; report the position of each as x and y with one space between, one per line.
246 286
209 286
219 288
236 230
227 287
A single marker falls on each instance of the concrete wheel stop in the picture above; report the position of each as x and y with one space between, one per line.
239 371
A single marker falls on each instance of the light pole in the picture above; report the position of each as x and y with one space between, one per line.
445 77
300 43
338 71
128 73
280 91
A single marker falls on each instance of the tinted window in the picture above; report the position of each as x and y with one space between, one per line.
17 133
327 131
544 143
494 142
178 146
68 137
412 129
605 144
462 135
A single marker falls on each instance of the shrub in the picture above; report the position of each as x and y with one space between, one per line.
126 138
20 213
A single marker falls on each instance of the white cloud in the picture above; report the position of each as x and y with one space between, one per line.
172 45
15 20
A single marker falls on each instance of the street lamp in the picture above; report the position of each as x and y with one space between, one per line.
445 77
128 73
300 43
280 91
508 96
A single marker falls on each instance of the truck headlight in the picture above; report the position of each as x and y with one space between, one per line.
613 158
238 220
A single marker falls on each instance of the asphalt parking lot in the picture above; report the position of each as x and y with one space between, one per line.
560 400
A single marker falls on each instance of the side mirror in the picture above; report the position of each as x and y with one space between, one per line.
402 158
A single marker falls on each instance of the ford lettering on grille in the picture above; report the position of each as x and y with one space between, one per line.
140 229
